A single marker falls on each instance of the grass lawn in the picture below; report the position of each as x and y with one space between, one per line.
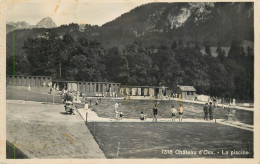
39 94
147 140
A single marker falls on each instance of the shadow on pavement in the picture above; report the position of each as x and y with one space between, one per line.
12 152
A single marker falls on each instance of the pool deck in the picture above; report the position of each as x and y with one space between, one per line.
43 130
93 117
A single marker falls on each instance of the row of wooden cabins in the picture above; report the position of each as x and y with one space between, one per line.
27 80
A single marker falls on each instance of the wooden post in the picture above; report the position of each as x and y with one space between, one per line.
60 69
248 149
94 128
118 147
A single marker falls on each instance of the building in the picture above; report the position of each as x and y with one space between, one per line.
16 80
90 88
152 91
186 92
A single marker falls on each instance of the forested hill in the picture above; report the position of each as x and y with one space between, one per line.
158 23
161 23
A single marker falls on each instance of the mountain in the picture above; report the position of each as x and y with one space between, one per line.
195 22
9 28
159 23
20 25
46 23
17 25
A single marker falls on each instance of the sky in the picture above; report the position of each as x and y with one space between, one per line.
94 12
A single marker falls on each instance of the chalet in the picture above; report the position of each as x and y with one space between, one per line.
186 92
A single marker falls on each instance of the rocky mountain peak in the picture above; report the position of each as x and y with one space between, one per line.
46 23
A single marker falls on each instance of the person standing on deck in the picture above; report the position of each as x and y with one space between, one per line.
116 111
29 88
211 111
155 112
206 111
173 111
180 113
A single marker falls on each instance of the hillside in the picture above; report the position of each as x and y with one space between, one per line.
164 22
158 23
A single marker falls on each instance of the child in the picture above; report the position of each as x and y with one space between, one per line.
121 115
142 116
117 115
97 102
173 111
180 113
86 106
116 111
29 88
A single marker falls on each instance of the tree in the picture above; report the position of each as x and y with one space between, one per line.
207 48
18 65
94 53
218 76
116 65
236 51
174 46
221 54
68 47
42 53
139 64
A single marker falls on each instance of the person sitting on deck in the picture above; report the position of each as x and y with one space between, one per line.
142 116
121 115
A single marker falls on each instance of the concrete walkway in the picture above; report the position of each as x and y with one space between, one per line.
218 105
93 117
238 125
43 130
